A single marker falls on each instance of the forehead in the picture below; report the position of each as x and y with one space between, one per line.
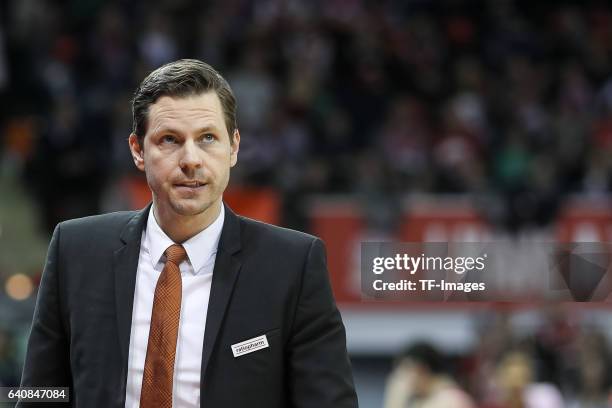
185 112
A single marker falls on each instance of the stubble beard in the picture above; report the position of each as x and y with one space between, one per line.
187 210
197 205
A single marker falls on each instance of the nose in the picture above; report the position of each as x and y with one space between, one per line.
190 156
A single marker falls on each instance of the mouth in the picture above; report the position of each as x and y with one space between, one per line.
189 187
190 184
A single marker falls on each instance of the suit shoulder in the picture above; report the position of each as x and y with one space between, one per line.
279 235
114 221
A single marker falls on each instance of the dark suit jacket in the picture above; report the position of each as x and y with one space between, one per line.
266 280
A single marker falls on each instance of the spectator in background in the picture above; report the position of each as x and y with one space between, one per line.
590 377
516 388
419 380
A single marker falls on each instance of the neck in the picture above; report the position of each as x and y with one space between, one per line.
180 228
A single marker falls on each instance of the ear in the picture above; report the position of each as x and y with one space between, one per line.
137 151
234 148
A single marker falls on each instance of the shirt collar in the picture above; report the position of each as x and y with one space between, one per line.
199 248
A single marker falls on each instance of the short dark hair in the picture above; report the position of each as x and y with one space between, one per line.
185 77
425 354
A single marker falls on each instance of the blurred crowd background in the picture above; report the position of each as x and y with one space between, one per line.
507 103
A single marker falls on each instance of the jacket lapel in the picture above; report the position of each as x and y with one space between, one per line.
125 265
225 273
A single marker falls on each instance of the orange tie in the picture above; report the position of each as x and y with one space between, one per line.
161 349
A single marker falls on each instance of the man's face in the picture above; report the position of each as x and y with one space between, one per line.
187 154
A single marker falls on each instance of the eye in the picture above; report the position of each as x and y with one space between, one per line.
208 138
168 139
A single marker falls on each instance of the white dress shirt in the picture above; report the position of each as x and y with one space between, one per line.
196 273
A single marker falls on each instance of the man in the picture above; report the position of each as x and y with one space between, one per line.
184 303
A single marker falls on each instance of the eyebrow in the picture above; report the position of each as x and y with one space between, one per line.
209 128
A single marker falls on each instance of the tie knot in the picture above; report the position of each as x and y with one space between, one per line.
175 254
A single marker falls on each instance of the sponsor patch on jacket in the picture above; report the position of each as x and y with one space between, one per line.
250 345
